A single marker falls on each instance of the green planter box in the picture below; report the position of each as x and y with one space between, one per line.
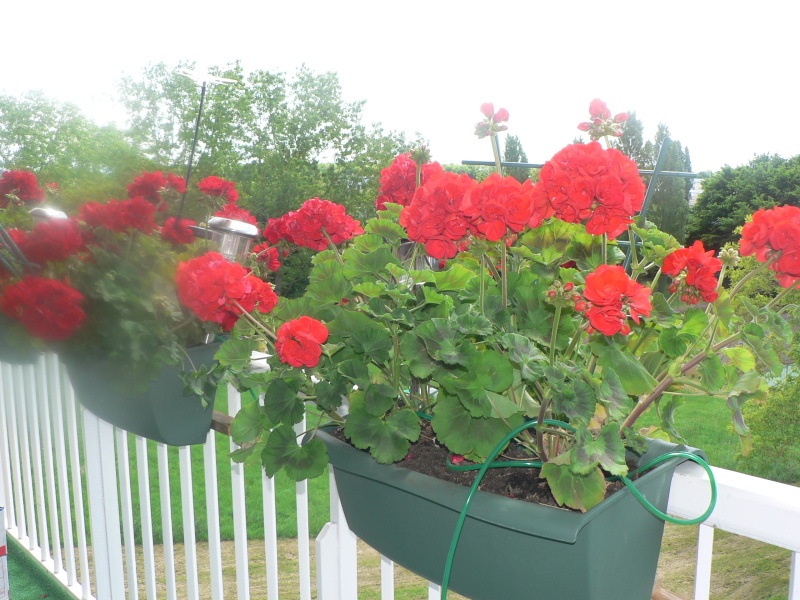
508 549
162 413
15 347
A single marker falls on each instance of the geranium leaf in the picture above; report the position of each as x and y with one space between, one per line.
606 449
464 434
613 395
387 441
300 462
356 370
442 340
370 289
385 228
454 279
525 354
723 307
632 375
416 357
375 343
576 400
470 324
281 403
236 353
741 357
712 373
247 424
370 265
580 492
379 398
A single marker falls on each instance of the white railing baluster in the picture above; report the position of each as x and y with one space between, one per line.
146 514
166 521
25 451
337 554
387 579
34 386
303 544
270 535
794 576
101 479
126 508
212 514
238 501
189 534
434 591
5 448
45 385
12 394
61 452
702 573
77 487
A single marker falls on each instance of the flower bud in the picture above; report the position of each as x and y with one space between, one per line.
598 109
487 108
501 116
729 257
580 306
568 287
552 294
584 126
621 117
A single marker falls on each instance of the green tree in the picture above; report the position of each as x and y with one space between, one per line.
669 205
56 142
732 194
513 152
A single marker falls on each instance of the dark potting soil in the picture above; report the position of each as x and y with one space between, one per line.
430 458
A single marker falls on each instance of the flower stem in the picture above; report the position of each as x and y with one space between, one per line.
553 334
333 247
496 152
255 322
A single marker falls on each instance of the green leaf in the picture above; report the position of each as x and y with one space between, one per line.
369 265
247 424
236 353
375 343
632 375
612 394
329 393
386 228
356 371
281 403
464 434
712 373
470 324
442 340
300 462
525 354
580 492
741 357
454 279
576 400
379 398
416 357
607 450
723 307
388 441
489 370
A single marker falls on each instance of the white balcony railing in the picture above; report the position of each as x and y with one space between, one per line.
58 462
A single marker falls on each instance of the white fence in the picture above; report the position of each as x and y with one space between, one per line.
60 463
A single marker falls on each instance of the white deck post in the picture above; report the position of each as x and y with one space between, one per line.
101 475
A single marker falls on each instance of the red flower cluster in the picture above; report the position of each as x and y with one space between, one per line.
774 235
178 232
120 215
20 187
219 188
435 218
584 182
150 186
309 225
399 180
237 213
218 290
48 309
694 271
268 255
609 290
299 342
601 123
499 204
53 240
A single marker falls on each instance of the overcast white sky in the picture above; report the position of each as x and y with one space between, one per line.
722 75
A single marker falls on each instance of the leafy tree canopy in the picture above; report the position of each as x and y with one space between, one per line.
732 194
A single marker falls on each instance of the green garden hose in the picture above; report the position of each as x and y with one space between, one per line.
484 467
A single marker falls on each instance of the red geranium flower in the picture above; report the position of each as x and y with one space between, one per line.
585 183
268 255
120 215
499 204
309 225
694 272
399 180
435 218
53 240
299 342
237 213
217 290
151 186
218 187
178 232
609 290
48 309
276 229
20 187
774 234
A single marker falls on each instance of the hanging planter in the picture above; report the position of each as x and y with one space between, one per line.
15 350
162 413
509 549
